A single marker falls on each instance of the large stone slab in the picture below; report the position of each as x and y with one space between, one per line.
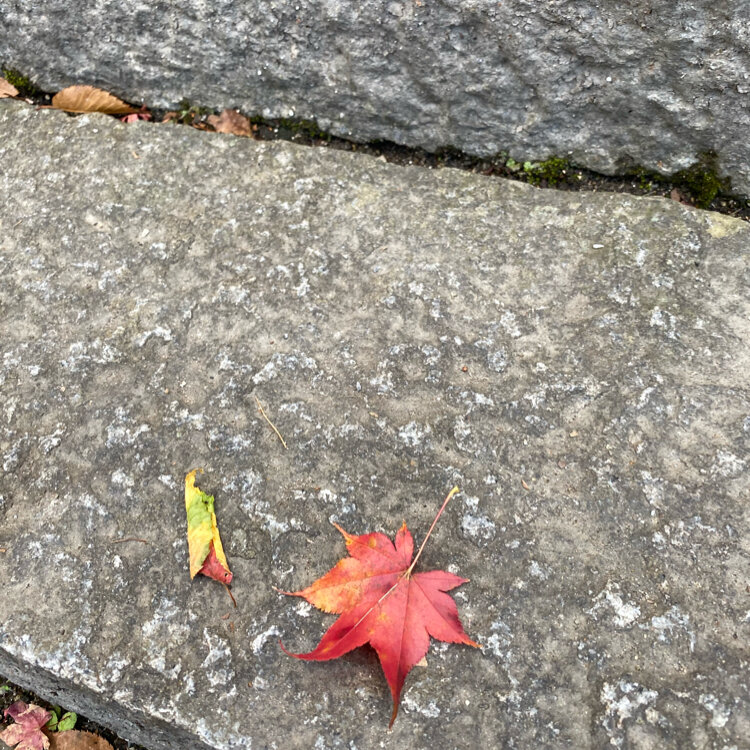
610 84
577 364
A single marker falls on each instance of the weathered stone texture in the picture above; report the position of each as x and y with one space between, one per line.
652 83
578 364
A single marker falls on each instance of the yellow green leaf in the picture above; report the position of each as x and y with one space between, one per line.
204 544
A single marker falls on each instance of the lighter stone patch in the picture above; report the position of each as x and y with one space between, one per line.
720 226
114 668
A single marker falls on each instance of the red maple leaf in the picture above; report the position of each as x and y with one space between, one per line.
26 733
384 603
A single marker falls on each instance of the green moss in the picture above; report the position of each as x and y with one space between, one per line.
552 170
21 82
307 128
702 180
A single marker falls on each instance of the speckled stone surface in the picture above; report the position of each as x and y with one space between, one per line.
654 83
577 364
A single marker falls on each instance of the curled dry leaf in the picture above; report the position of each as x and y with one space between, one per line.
7 89
84 99
230 121
75 740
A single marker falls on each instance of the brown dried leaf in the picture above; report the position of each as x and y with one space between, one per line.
7 89
84 99
75 740
677 195
230 121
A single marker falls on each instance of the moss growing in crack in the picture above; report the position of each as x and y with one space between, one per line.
702 180
23 83
307 128
551 171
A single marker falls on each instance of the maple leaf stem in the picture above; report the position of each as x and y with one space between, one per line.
439 513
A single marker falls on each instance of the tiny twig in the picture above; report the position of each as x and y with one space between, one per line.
129 539
273 426
3 549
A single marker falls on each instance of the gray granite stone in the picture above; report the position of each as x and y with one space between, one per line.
608 83
577 364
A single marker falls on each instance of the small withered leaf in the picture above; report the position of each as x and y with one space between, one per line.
85 99
230 121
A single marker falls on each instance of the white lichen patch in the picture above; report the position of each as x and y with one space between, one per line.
114 668
217 666
430 711
664 320
261 639
414 434
625 613
82 352
537 571
48 443
475 525
653 489
122 431
498 641
726 464
622 701
670 625
181 417
720 714
509 324
280 362
497 361
163 634
158 332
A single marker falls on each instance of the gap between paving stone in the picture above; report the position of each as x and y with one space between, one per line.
576 363
557 172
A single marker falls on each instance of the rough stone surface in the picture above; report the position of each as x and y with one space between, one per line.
578 364
609 83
